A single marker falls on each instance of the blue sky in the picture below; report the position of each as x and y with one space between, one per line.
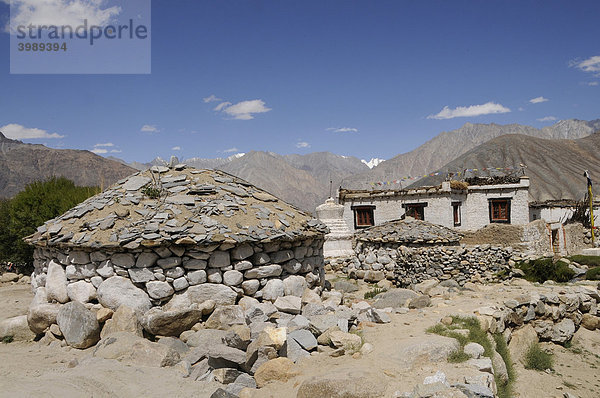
361 78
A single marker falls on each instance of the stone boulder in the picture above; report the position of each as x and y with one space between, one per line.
81 291
132 349
56 283
78 325
340 384
420 302
41 316
563 331
220 294
278 369
395 298
171 323
8 277
224 317
590 322
17 328
124 319
520 341
432 348
117 291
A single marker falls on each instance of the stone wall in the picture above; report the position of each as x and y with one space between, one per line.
255 270
406 265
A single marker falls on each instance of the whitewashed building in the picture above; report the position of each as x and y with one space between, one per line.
452 204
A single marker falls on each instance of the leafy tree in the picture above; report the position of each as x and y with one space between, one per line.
36 204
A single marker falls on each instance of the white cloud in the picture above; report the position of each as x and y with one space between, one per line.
343 129
220 107
302 144
176 148
147 128
211 98
99 151
592 84
547 119
469 111
230 150
115 151
107 144
521 109
18 132
60 12
590 65
244 110
537 100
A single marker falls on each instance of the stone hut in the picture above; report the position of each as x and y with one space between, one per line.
410 251
171 230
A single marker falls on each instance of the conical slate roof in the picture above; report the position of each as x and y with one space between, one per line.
179 205
409 231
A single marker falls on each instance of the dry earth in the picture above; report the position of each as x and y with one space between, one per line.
33 370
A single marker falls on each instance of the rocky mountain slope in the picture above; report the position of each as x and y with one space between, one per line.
555 167
449 145
21 164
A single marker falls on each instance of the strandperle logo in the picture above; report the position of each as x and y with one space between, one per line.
92 33
80 36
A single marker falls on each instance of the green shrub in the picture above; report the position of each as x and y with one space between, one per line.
374 292
458 356
591 261
593 274
7 339
152 192
538 359
544 269
504 388
36 204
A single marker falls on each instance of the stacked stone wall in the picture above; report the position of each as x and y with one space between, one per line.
255 270
406 265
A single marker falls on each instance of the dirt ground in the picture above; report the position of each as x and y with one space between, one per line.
33 370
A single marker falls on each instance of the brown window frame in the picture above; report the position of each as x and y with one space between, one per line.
497 215
456 213
419 207
368 216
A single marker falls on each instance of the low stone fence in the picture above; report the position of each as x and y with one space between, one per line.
407 265
255 270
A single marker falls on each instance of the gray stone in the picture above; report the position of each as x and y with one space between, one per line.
293 350
223 317
140 275
180 284
116 291
105 269
214 275
294 285
264 271
56 283
233 278
219 259
350 384
243 265
78 325
159 290
305 338
171 323
194 263
345 286
395 298
146 259
135 183
80 271
420 302
204 338
250 286
289 304
179 346
281 256
78 257
41 316
17 328
196 277
81 291
474 350
242 252
169 262
261 258
293 266
563 331
124 260
221 294
129 348
272 290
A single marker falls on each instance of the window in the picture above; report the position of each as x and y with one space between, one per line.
500 210
456 213
415 210
363 216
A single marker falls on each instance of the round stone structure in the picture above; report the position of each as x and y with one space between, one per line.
338 242
165 232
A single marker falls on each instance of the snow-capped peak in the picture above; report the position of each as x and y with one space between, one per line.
236 156
373 162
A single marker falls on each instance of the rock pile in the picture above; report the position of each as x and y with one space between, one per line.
553 316
409 232
207 336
